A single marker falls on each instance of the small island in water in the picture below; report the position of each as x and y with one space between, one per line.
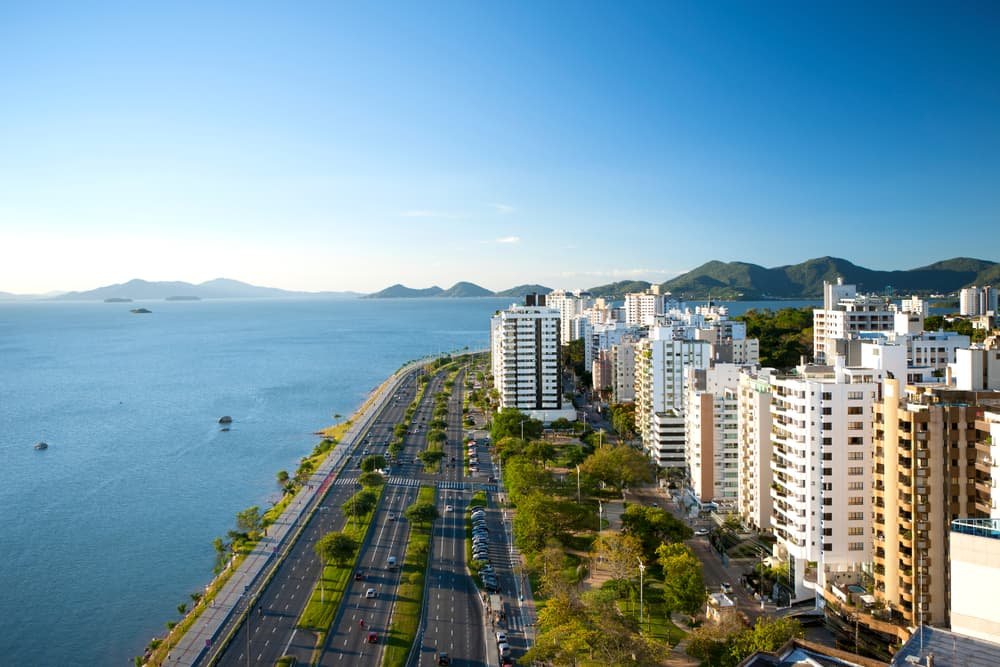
118 299
140 311
183 298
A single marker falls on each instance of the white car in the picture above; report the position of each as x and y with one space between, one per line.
449 508
701 532
370 593
501 637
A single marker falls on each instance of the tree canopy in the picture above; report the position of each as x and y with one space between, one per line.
336 547
421 512
785 335
360 503
653 526
619 466
683 583
374 462
250 520
507 423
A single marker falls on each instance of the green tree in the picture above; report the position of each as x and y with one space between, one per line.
421 512
436 436
222 553
372 463
430 457
360 503
282 477
683 584
540 452
522 477
507 423
623 419
250 521
619 466
369 479
336 547
653 526
768 634
620 553
182 608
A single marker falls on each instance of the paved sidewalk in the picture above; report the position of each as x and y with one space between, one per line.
244 586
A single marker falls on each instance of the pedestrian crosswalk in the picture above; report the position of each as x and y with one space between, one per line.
396 480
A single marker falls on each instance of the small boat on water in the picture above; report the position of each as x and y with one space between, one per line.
226 420
41 445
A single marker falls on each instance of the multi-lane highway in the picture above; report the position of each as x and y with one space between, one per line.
453 611
269 631
453 617
348 641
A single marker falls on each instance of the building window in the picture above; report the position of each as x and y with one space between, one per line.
856 546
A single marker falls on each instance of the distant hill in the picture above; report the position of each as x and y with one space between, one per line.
464 289
458 290
523 290
398 291
212 289
617 291
740 280
7 295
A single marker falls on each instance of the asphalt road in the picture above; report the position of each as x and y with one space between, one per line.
347 642
453 611
271 626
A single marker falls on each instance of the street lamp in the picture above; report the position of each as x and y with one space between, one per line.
523 422
577 483
642 570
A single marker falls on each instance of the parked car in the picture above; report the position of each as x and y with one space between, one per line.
727 588
501 637
504 648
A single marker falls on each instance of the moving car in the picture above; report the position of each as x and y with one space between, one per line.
391 562
701 532
449 508
359 576
370 593
372 638
443 659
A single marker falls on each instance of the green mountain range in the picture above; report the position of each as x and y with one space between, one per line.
740 280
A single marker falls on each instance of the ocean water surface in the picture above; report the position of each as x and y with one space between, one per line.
108 530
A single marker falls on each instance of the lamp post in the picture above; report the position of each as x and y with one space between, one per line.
577 483
522 429
642 570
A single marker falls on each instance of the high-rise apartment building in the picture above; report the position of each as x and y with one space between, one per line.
929 470
642 308
524 342
711 430
660 363
974 300
623 372
821 420
844 315
569 305
754 418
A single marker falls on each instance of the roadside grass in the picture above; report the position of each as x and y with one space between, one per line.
656 623
410 596
329 590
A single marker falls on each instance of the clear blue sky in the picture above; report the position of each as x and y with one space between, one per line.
336 145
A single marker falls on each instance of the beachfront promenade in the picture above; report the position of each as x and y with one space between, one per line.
215 623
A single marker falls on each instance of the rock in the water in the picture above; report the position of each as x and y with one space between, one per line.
226 420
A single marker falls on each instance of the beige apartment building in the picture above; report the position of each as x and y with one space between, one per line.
931 466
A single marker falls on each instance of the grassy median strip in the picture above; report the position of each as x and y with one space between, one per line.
326 596
410 596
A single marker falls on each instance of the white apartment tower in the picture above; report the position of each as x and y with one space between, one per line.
754 494
659 382
642 308
821 491
844 315
974 300
569 305
524 342
711 430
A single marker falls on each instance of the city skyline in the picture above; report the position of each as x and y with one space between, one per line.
350 148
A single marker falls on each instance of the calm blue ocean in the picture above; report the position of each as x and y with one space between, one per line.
107 531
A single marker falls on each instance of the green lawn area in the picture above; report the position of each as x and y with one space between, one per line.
326 596
656 622
410 596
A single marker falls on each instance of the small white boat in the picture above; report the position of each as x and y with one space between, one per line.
41 445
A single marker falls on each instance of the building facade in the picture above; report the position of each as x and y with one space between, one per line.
754 423
711 433
524 344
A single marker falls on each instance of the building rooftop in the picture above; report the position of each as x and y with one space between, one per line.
801 653
948 648
980 527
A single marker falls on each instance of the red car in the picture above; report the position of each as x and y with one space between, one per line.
372 638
